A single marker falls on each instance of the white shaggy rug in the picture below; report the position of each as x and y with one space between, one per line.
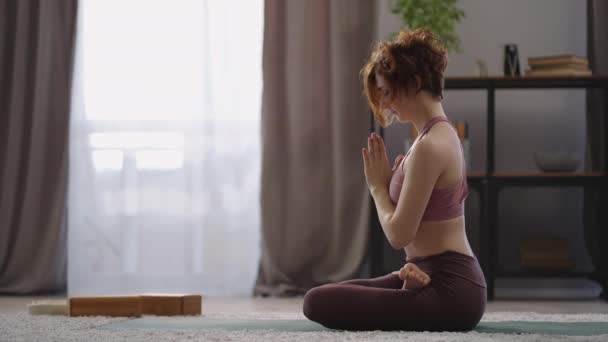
24 327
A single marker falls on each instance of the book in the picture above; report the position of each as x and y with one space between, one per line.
557 72
572 66
556 60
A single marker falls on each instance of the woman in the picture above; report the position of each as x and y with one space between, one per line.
420 203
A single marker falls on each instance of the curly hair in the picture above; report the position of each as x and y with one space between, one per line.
411 56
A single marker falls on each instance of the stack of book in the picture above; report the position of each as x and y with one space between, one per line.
552 253
559 65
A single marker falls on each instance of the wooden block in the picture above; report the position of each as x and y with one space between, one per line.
193 305
49 307
115 306
163 304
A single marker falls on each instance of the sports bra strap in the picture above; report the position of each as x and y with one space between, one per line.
430 124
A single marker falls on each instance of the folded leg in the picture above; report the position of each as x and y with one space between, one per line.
359 307
389 281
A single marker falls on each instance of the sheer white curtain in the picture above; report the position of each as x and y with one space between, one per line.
165 147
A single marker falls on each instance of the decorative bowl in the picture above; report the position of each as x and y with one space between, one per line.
557 160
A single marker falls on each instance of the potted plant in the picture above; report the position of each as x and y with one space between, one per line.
439 16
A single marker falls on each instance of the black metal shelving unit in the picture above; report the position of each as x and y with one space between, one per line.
490 182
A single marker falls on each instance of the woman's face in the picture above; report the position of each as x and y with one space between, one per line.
399 105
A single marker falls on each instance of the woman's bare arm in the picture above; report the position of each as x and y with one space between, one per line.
401 222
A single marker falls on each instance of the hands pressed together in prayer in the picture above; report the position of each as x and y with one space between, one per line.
378 172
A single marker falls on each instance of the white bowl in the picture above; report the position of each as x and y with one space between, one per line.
557 160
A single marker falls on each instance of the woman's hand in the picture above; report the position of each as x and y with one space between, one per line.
378 172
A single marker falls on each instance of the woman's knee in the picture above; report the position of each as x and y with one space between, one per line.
314 301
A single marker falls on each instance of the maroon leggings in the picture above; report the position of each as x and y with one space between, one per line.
454 300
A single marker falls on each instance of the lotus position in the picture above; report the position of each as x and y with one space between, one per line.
420 202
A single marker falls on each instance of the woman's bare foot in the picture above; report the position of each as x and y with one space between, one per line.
414 277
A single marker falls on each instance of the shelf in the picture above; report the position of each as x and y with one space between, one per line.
542 273
549 174
536 175
499 82
541 179
476 175
489 182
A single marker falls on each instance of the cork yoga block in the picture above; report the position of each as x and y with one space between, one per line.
136 306
171 304
113 306
49 307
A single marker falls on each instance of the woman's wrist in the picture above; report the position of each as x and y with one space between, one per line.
378 191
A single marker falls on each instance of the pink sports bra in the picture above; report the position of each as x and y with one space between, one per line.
444 203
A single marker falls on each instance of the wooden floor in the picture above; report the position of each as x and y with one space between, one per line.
13 304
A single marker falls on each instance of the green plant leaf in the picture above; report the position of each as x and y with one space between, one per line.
439 16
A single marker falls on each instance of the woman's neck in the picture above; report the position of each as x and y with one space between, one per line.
427 108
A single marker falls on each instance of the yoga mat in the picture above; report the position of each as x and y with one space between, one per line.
202 323
300 325
545 328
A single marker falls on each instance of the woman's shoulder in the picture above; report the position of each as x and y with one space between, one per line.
428 151
443 136
438 145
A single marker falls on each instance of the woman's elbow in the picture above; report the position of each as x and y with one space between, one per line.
399 242
398 235
395 245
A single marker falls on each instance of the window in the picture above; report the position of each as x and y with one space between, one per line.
165 147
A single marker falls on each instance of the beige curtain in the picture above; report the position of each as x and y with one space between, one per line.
36 40
315 203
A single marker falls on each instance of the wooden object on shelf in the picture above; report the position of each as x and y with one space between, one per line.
538 61
549 253
557 72
171 304
562 265
113 306
462 128
558 65
568 66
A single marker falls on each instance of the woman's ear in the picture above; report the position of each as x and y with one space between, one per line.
418 84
